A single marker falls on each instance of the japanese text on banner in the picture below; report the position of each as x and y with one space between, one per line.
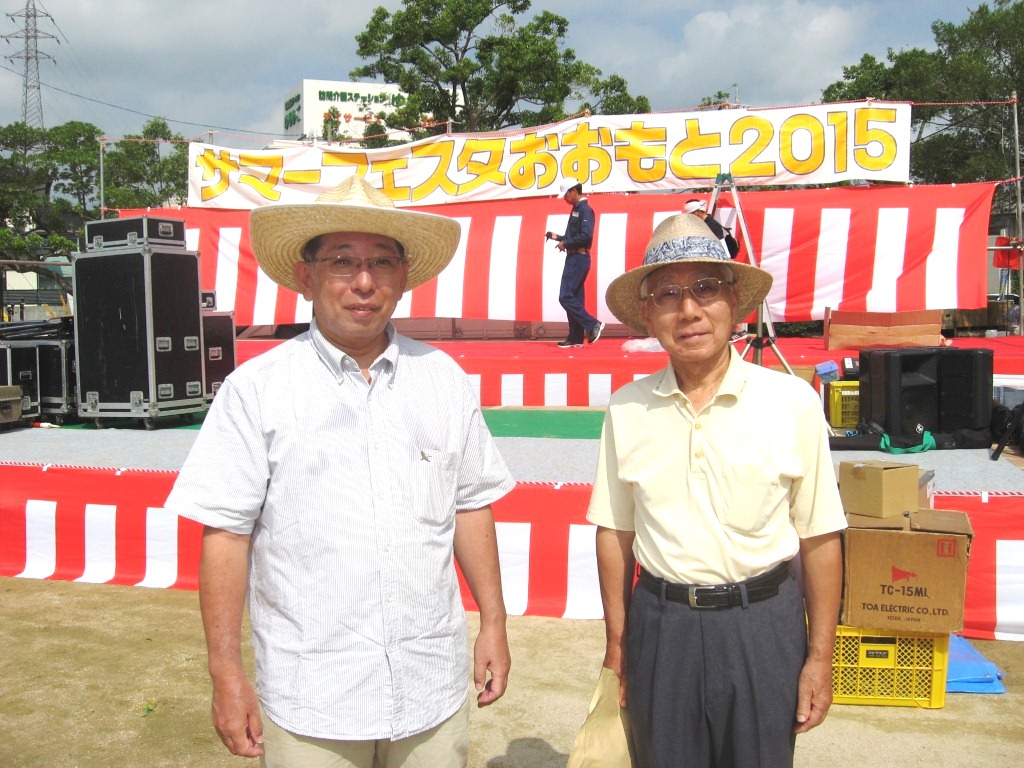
818 144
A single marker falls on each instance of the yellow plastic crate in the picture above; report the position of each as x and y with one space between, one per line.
895 669
842 406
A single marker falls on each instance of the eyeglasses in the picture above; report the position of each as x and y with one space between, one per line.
346 266
704 291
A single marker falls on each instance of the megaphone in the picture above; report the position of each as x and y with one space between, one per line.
898 574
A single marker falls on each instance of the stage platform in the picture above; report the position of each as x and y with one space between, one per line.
540 374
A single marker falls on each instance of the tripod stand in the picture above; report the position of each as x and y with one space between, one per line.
761 340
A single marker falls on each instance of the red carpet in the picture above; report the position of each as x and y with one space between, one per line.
538 373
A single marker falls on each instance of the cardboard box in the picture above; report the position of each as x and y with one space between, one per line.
906 573
876 488
856 330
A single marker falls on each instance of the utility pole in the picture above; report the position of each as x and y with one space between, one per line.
31 99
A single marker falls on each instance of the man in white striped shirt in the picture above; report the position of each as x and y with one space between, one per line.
338 477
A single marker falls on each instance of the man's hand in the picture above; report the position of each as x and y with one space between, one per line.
236 716
490 653
814 695
615 660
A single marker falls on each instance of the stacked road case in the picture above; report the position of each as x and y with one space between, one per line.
138 329
219 346
58 395
19 366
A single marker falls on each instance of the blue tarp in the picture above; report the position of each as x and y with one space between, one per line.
970 672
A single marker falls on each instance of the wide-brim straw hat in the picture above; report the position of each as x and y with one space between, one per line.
683 239
279 232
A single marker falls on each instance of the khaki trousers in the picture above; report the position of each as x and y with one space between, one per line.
443 746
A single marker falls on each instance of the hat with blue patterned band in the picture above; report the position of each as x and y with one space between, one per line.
683 239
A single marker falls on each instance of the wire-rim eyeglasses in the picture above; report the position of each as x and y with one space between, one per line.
346 266
704 291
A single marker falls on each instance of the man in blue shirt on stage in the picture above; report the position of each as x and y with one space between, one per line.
576 242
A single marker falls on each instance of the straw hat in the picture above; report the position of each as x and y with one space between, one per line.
279 232
683 239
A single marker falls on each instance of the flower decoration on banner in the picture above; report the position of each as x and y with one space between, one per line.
348 117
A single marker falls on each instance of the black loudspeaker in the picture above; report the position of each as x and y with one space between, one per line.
965 389
938 389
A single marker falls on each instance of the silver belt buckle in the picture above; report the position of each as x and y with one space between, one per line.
692 596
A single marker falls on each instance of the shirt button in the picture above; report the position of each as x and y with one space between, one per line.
697 425
698 455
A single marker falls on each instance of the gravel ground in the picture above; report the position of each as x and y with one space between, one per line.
530 459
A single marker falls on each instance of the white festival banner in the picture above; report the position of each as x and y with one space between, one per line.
815 144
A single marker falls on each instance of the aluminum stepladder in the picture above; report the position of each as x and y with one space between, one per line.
765 335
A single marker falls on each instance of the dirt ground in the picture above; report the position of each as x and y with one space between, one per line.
107 676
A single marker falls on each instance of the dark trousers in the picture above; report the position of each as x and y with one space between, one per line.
715 688
570 296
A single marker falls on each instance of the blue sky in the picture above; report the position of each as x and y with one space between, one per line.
225 65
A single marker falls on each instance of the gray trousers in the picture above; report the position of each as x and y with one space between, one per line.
715 688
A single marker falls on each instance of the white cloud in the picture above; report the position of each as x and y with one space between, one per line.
227 63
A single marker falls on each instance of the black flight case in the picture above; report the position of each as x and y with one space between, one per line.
138 333
58 390
19 366
134 232
219 346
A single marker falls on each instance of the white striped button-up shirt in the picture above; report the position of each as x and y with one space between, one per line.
350 491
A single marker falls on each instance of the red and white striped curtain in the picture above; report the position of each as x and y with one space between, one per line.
879 249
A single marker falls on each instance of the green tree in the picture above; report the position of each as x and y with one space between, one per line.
611 97
721 100
978 61
472 63
332 123
150 169
26 177
375 137
26 215
74 149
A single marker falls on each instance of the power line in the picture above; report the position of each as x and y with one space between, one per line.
146 115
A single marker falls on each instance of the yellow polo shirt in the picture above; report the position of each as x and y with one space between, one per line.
724 494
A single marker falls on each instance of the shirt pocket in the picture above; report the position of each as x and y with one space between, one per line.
434 489
752 494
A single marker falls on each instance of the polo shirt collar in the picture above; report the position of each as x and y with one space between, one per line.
732 384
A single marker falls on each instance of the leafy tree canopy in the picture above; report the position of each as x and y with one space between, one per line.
49 186
977 61
473 63
150 169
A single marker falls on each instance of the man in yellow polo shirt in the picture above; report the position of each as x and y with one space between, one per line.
715 478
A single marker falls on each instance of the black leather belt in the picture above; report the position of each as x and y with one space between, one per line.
718 595
575 251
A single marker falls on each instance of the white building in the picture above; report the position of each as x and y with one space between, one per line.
306 105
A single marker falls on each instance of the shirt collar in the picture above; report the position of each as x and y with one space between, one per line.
732 383
340 364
